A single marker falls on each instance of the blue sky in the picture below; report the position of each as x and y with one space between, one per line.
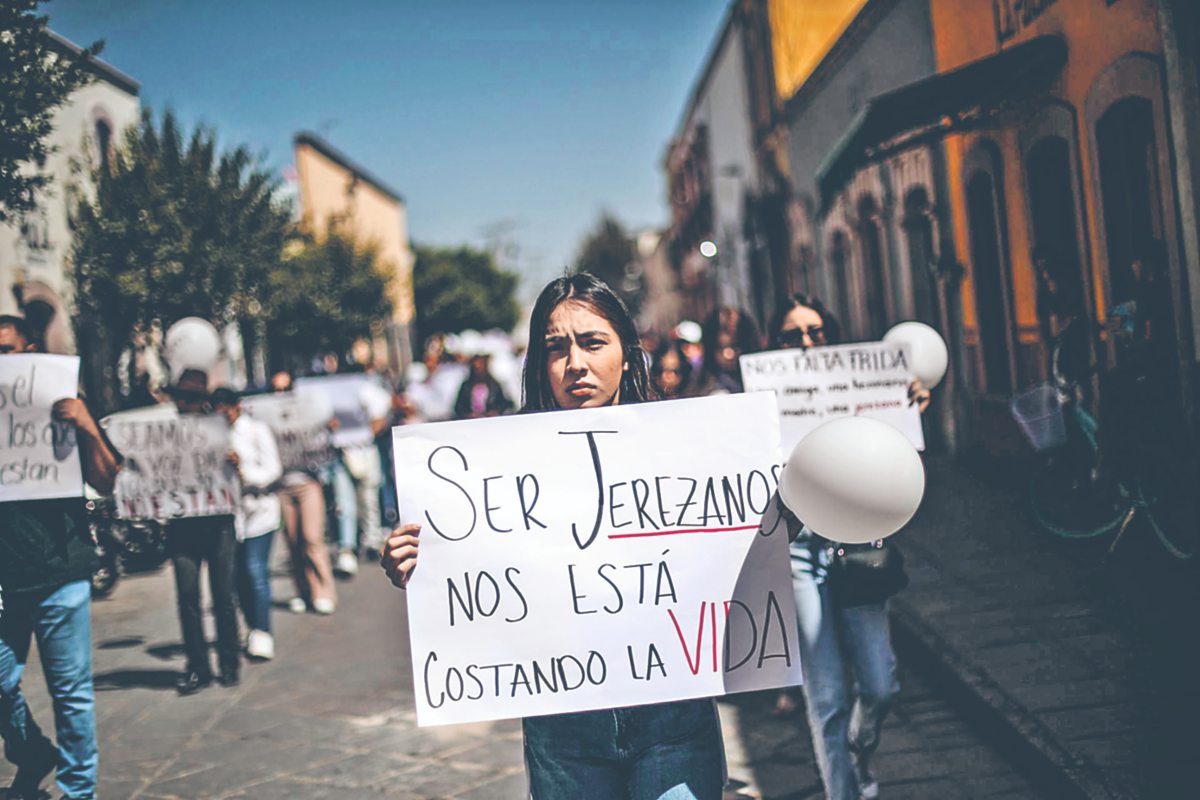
532 114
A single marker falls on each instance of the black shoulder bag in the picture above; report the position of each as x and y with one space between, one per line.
865 574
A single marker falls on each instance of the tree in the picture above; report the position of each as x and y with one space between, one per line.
607 252
175 229
37 75
460 288
324 297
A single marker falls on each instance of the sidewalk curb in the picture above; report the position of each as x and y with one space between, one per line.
1027 740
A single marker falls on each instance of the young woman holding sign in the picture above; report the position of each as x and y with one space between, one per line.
584 352
844 719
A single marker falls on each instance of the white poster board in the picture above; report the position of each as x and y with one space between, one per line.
344 393
813 386
596 558
39 458
175 465
300 425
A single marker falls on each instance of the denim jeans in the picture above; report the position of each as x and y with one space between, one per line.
254 580
346 501
849 679
61 620
668 751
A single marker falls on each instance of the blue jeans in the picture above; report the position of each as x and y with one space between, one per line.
254 580
844 718
668 751
346 500
61 620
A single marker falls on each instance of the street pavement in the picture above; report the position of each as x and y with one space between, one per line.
332 717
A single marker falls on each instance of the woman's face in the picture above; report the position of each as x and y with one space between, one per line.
670 373
802 327
584 357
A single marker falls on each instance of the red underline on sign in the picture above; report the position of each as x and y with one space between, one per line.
683 530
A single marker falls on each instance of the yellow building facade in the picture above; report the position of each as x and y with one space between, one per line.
334 191
1076 165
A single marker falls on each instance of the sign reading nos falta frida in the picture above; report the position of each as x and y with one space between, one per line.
596 558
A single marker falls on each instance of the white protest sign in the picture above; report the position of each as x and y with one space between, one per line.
176 465
344 393
39 458
868 379
300 425
596 558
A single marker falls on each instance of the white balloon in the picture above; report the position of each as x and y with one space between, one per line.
853 480
192 343
929 355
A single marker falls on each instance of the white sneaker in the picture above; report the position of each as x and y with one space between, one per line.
323 606
260 645
297 605
346 564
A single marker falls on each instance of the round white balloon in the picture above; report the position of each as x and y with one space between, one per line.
929 355
853 480
192 343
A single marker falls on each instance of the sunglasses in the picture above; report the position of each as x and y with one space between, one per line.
794 337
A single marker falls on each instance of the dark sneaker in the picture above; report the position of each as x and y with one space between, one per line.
229 678
192 681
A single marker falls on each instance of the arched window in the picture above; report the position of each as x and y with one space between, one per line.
104 143
922 251
839 266
989 267
874 273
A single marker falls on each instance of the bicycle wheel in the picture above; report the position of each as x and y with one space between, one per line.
1168 492
1068 502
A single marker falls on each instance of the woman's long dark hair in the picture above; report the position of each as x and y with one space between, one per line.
596 295
833 329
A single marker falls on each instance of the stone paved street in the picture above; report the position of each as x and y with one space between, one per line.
332 717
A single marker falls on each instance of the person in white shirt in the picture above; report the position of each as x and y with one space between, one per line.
366 469
257 459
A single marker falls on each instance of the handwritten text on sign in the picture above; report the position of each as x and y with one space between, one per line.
301 427
868 379
596 558
39 458
176 465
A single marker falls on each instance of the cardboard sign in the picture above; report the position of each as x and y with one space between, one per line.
596 558
813 386
344 393
300 425
39 458
176 465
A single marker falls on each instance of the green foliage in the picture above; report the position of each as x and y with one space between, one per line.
460 288
177 229
36 77
325 297
606 252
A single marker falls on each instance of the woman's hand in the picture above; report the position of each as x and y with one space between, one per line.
399 554
918 395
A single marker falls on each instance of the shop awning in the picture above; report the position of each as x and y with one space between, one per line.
938 104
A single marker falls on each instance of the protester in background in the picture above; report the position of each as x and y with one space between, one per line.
302 501
584 353
845 719
257 460
363 464
728 334
480 394
670 370
691 336
46 562
1060 310
191 541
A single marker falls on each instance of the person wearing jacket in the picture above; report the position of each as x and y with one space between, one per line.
46 562
256 457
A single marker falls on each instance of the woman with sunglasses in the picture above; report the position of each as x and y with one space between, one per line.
584 352
845 716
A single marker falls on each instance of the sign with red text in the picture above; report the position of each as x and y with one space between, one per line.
816 385
596 558
175 465
39 458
